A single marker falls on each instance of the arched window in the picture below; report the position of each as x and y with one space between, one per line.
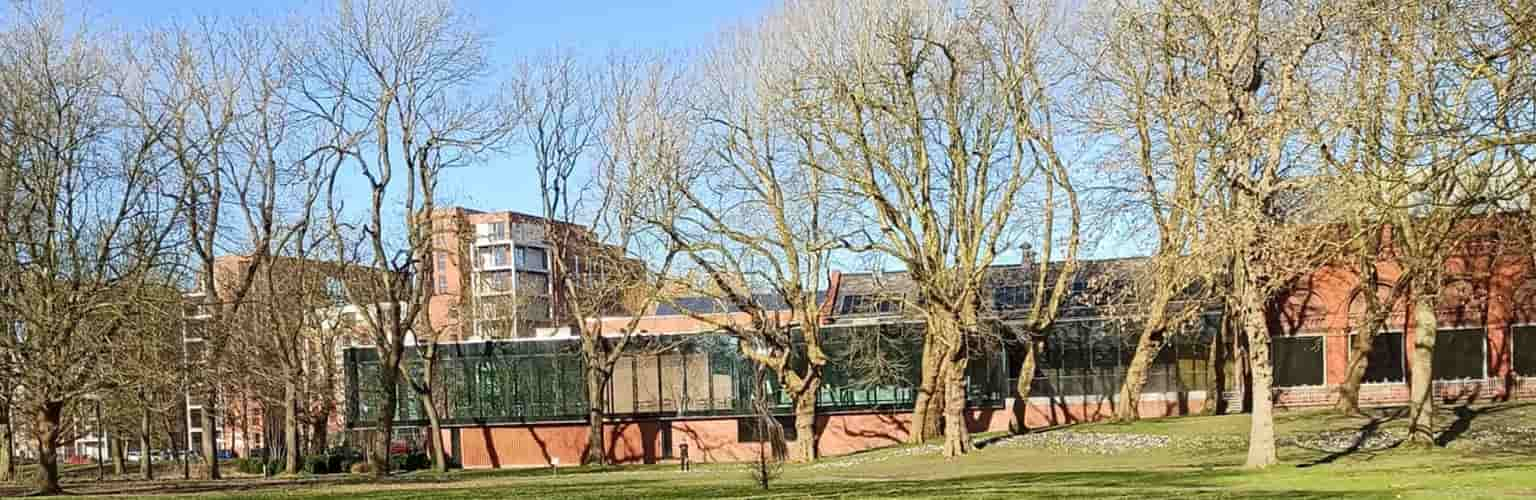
1387 359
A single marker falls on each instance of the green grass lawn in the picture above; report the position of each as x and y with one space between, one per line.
1487 453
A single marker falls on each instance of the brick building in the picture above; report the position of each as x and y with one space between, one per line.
519 401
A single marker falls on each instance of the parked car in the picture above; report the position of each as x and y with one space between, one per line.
134 456
228 455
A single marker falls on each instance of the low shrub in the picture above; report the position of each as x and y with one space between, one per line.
409 462
248 465
318 464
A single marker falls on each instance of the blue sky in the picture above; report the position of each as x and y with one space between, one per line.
516 28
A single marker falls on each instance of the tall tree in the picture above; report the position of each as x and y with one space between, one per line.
608 276
1432 162
939 131
759 226
83 225
400 85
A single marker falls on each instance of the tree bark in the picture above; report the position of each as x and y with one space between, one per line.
210 444
1216 367
7 443
119 458
1354 372
1244 375
1017 423
290 426
435 427
1151 341
384 432
929 403
48 425
319 432
808 441
186 465
146 456
245 424
1261 432
1421 404
957 437
595 453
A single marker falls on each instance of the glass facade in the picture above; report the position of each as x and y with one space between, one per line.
684 375
1090 357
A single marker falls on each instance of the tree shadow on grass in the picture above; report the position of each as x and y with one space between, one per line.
1465 415
1376 418
1149 484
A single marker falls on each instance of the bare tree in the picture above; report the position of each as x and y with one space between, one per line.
938 129
608 275
758 224
83 223
1431 162
396 82
1220 166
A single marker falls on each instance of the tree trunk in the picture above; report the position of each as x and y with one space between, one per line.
435 427
1354 372
245 425
957 437
210 444
1017 423
186 466
119 457
929 403
48 426
805 420
1261 433
1244 373
7 443
1147 346
595 453
384 431
146 456
1216 366
290 426
1421 405
319 432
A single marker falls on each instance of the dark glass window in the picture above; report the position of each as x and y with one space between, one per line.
1459 354
1298 361
868 304
1525 350
1010 297
754 430
1386 359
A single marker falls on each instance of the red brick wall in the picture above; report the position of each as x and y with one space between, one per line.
708 439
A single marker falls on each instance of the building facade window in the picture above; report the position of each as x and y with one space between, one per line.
1005 298
757 430
496 282
531 259
869 304
535 309
1386 362
1460 354
1524 350
1297 361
